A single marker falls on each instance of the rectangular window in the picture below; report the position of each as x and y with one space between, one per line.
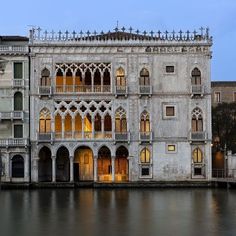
217 97
170 111
170 69
145 171
171 148
18 70
18 131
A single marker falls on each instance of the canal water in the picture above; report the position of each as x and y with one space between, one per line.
132 212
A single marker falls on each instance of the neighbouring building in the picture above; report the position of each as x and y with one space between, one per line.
14 108
119 106
223 91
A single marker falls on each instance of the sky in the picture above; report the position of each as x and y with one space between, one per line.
17 16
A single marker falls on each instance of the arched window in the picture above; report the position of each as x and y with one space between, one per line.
69 81
45 121
197 121
17 167
120 121
145 156
45 78
120 77
145 122
196 76
144 79
18 101
197 155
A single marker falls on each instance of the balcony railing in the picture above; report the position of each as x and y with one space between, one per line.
122 136
121 90
18 83
200 136
197 89
7 48
45 90
82 89
45 137
14 142
145 136
12 115
145 90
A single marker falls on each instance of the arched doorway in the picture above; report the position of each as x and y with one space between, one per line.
122 164
104 164
83 164
62 165
45 165
17 167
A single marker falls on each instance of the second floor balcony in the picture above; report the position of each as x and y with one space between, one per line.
12 115
122 136
197 89
121 90
14 142
145 90
145 137
45 91
18 83
198 136
74 89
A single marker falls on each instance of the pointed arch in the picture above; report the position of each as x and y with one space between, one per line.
59 80
45 79
120 120
196 76
145 122
44 121
120 77
197 120
104 164
62 165
122 164
144 79
69 81
145 156
197 155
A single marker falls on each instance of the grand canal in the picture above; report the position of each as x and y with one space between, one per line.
86 212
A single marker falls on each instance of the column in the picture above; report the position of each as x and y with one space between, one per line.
113 127
7 167
93 131
64 82
113 169
82 127
53 169
73 127
102 75
73 78
95 169
63 127
92 78
102 120
83 83
26 168
71 169
35 170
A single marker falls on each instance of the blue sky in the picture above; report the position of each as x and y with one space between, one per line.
220 15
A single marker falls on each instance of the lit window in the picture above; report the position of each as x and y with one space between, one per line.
217 97
171 148
170 69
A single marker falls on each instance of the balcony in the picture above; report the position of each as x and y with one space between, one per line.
197 90
75 89
14 142
145 137
18 83
18 49
45 91
121 90
145 90
122 137
12 115
198 136
45 137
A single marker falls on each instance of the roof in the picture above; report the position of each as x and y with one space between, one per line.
13 38
223 84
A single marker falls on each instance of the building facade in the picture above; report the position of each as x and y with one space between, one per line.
120 106
14 109
223 91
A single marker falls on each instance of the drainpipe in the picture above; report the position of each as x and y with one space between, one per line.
29 76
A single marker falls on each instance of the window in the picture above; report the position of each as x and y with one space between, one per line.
170 69
120 77
18 131
18 101
171 148
170 111
145 163
18 167
145 122
145 171
144 77
45 121
18 70
196 76
45 77
197 121
145 156
120 121
217 97
197 155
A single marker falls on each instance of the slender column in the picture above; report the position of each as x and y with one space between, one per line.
73 127
113 127
93 131
113 169
63 127
95 168
7 166
64 82
26 168
102 120
92 77
71 169
82 128
35 170
102 74
53 126
53 169
73 78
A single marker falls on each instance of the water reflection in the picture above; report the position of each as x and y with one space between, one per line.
118 212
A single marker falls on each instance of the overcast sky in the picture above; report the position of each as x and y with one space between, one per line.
219 15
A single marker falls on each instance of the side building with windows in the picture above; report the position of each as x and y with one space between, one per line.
14 108
120 106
